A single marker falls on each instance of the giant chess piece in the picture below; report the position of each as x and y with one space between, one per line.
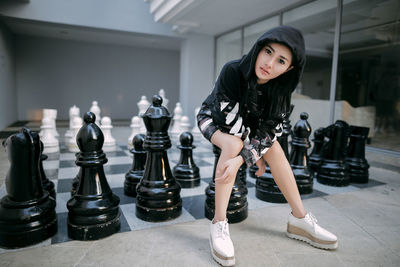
176 121
93 211
50 142
186 172
143 105
237 210
299 157
314 160
158 194
47 184
135 125
358 165
74 111
165 100
110 144
95 109
333 169
27 212
133 176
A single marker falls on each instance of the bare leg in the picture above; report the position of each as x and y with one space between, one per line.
230 147
284 178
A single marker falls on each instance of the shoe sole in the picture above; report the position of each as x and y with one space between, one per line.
218 259
329 245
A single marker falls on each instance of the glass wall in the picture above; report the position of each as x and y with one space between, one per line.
368 77
228 47
316 20
369 67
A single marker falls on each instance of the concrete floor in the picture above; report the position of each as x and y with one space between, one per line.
366 221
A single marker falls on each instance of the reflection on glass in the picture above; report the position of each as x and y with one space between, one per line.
317 22
253 32
369 68
228 48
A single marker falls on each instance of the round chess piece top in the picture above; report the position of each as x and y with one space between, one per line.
90 138
304 116
319 134
156 110
135 120
302 129
186 140
138 141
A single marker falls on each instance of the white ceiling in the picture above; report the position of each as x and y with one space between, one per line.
213 17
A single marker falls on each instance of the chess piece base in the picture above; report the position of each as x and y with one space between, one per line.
95 231
234 216
25 224
158 214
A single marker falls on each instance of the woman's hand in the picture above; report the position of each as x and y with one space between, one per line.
229 170
261 167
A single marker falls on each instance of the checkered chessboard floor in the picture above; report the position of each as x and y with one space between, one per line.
61 169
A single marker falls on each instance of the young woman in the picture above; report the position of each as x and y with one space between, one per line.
243 117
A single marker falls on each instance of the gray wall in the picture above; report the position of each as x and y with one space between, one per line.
197 68
53 73
8 100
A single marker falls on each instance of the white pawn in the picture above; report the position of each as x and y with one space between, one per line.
74 111
109 141
51 114
76 126
96 110
50 142
143 105
185 124
176 121
165 100
135 125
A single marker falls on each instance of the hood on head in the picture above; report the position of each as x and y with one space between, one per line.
288 36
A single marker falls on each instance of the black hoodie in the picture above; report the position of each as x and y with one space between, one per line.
238 99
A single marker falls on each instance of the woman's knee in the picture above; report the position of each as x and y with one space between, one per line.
227 142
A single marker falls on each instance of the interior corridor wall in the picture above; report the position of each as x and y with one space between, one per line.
55 73
8 101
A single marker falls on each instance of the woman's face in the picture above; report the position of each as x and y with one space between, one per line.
273 60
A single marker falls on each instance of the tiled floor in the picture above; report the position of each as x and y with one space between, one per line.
353 212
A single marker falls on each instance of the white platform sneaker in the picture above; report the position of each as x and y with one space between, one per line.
306 229
221 244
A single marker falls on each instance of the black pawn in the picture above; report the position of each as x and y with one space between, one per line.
47 184
314 160
299 157
158 193
27 213
186 172
358 165
133 176
237 210
93 211
333 169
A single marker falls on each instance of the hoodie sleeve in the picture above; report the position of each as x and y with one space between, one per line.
255 147
224 102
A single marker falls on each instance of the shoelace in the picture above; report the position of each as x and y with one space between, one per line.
223 231
313 220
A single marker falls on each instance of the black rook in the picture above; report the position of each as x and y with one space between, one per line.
358 165
333 169
93 211
158 194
